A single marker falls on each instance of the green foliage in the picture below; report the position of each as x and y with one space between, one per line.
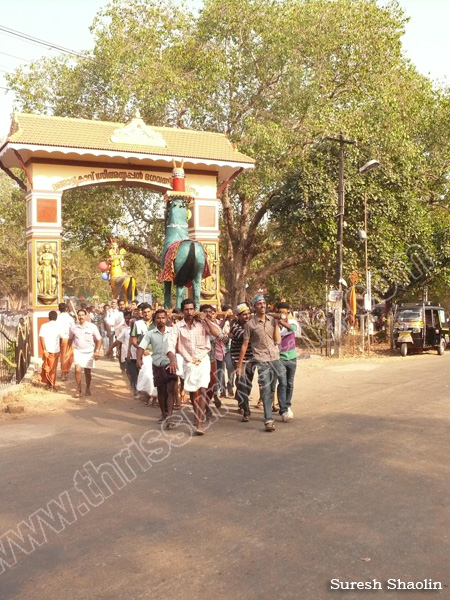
279 77
13 256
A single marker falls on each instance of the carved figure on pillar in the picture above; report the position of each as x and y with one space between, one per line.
209 285
47 274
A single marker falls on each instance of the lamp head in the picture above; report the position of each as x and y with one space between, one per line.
369 166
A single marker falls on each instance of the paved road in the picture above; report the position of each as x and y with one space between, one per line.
356 488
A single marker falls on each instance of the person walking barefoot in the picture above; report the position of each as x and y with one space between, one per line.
190 338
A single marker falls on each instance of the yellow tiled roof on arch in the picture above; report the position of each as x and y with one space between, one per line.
28 130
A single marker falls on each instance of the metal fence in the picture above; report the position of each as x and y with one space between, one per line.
316 335
15 352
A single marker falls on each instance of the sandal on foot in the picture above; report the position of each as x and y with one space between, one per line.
245 419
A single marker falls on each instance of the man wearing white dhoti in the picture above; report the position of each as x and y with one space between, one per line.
190 339
87 341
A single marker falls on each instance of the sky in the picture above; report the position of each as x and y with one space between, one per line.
66 23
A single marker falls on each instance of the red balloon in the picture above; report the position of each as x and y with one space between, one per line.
103 266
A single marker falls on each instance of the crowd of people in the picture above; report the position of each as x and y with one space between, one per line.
10 319
170 356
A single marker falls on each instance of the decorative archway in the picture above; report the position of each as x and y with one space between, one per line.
58 153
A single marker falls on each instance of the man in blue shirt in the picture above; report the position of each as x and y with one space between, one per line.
156 340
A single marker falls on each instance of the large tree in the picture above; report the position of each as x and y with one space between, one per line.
278 77
13 254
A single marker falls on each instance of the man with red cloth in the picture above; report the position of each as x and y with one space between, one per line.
49 342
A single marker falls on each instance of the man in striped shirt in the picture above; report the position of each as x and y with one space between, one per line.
244 381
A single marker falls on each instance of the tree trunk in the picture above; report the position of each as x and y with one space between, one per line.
234 272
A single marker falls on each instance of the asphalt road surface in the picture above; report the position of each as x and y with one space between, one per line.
99 504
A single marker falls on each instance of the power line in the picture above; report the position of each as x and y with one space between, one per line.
12 56
34 40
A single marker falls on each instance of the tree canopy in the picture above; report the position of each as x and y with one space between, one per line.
279 77
13 252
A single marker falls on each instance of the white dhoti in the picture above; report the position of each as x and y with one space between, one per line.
145 379
196 376
180 363
83 358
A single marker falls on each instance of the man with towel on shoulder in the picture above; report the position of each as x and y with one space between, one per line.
190 339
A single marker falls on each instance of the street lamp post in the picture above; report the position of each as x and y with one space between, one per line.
368 294
366 168
339 244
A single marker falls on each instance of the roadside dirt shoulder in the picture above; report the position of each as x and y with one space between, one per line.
108 385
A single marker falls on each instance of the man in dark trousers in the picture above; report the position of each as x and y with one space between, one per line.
244 381
157 340
264 335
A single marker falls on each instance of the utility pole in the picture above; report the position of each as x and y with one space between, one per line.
368 278
339 243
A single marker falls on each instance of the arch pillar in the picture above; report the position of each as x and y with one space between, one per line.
204 227
43 238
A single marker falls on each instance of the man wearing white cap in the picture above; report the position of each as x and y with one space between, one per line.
244 381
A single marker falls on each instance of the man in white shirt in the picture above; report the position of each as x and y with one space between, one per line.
87 341
122 341
49 343
144 379
113 320
65 322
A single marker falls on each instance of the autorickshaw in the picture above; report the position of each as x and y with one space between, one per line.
420 326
